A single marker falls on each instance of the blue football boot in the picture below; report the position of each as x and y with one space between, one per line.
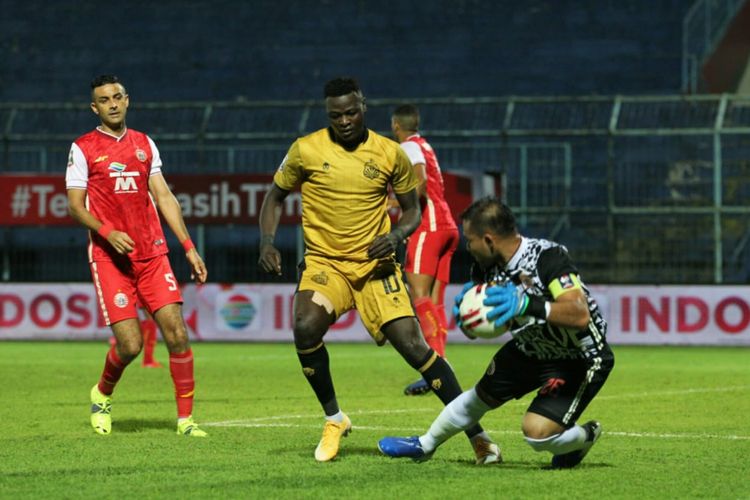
417 388
404 447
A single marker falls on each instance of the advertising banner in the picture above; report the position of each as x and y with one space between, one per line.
209 199
693 315
205 199
33 199
50 311
642 315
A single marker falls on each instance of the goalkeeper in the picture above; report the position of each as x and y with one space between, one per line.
558 345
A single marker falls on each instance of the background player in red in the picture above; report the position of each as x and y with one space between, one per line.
115 185
431 246
149 331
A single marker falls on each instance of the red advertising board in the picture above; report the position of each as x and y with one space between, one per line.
32 200
205 199
211 199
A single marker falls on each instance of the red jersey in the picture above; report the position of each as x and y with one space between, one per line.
114 171
435 211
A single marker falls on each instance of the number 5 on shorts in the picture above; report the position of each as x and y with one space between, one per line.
172 282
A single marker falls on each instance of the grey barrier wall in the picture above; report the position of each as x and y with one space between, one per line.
642 189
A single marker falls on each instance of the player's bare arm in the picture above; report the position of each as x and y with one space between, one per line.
421 173
411 216
270 214
170 209
570 309
119 240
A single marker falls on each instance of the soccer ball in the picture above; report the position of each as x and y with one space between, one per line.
473 314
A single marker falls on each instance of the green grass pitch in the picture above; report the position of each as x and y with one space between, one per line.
676 425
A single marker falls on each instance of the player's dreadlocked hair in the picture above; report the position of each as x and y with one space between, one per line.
408 116
489 214
341 86
104 80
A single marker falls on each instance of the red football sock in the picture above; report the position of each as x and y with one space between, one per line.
442 320
428 319
443 329
148 327
113 368
181 368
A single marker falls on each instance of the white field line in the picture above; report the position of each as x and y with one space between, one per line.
659 435
677 392
228 423
283 420
520 403
255 423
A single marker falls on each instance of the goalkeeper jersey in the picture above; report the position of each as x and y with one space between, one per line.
543 268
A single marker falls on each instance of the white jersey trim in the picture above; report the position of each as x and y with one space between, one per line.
100 293
156 163
118 138
414 152
418 253
77 174
431 215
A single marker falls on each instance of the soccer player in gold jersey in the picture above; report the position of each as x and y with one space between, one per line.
344 172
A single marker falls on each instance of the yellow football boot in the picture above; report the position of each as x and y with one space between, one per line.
101 407
187 427
328 447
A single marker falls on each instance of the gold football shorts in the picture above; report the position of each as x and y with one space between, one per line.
375 288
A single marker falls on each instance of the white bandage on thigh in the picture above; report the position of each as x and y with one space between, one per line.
322 300
565 442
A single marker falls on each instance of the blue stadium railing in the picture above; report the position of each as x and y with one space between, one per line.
644 189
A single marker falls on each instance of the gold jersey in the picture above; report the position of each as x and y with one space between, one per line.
344 192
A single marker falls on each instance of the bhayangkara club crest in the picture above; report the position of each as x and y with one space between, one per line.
371 170
321 278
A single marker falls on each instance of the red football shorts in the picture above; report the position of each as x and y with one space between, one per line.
430 252
120 286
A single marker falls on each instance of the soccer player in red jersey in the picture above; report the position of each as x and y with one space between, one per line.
432 245
149 330
115 185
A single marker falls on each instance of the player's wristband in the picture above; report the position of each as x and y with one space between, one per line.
105 229
537 307
188 245
399 233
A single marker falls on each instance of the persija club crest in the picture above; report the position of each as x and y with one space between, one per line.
121 300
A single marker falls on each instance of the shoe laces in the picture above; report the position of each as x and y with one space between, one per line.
104 407
187 423
332 429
